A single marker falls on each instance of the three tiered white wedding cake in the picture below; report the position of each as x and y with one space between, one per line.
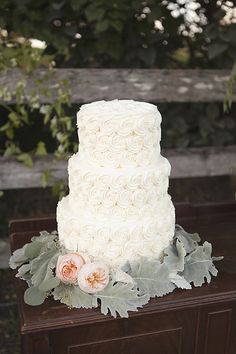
118 208
119 245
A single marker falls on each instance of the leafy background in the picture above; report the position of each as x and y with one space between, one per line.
85 33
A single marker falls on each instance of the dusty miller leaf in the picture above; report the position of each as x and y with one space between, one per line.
23 270
120 298
118 275
174 258
151 277
179 281
47 239
216 259
42 266
130 287
190 241
33 296
18 258
46 235
33 249
199 265
49 284
73 296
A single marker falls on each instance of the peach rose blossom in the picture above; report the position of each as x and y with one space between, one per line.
93 277
68 267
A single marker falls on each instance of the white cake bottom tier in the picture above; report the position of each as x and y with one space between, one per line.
117 241
117 192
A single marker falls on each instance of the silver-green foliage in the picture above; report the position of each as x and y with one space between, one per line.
73 296
199 265
184 262
174 256
33 296
18 258
151 277
36 261
189 241
121 298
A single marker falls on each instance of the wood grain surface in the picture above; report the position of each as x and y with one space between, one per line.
185 163
151 85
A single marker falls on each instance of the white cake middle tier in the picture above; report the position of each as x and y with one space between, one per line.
119 193
117 241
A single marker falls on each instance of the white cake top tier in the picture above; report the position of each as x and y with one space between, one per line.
119 133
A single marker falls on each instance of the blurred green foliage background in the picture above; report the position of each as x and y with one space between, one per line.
151 33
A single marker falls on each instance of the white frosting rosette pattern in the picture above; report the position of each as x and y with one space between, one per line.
118 137
118 207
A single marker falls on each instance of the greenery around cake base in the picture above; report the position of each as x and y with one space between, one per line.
185 263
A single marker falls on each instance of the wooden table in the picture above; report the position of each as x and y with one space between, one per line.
197 321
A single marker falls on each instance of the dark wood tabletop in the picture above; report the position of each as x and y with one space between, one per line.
215 223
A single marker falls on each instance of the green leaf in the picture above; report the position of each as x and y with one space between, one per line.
102 26
118 25
77 4
219 14
73 296
70 30
199 265
49 284
26 159
11 149
231 34
58 5
4 127
212 31
45 176
151 277
45 109
41 149
94 13
190 241
216 48
14 118
59 189
120 298
10 133
33 296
